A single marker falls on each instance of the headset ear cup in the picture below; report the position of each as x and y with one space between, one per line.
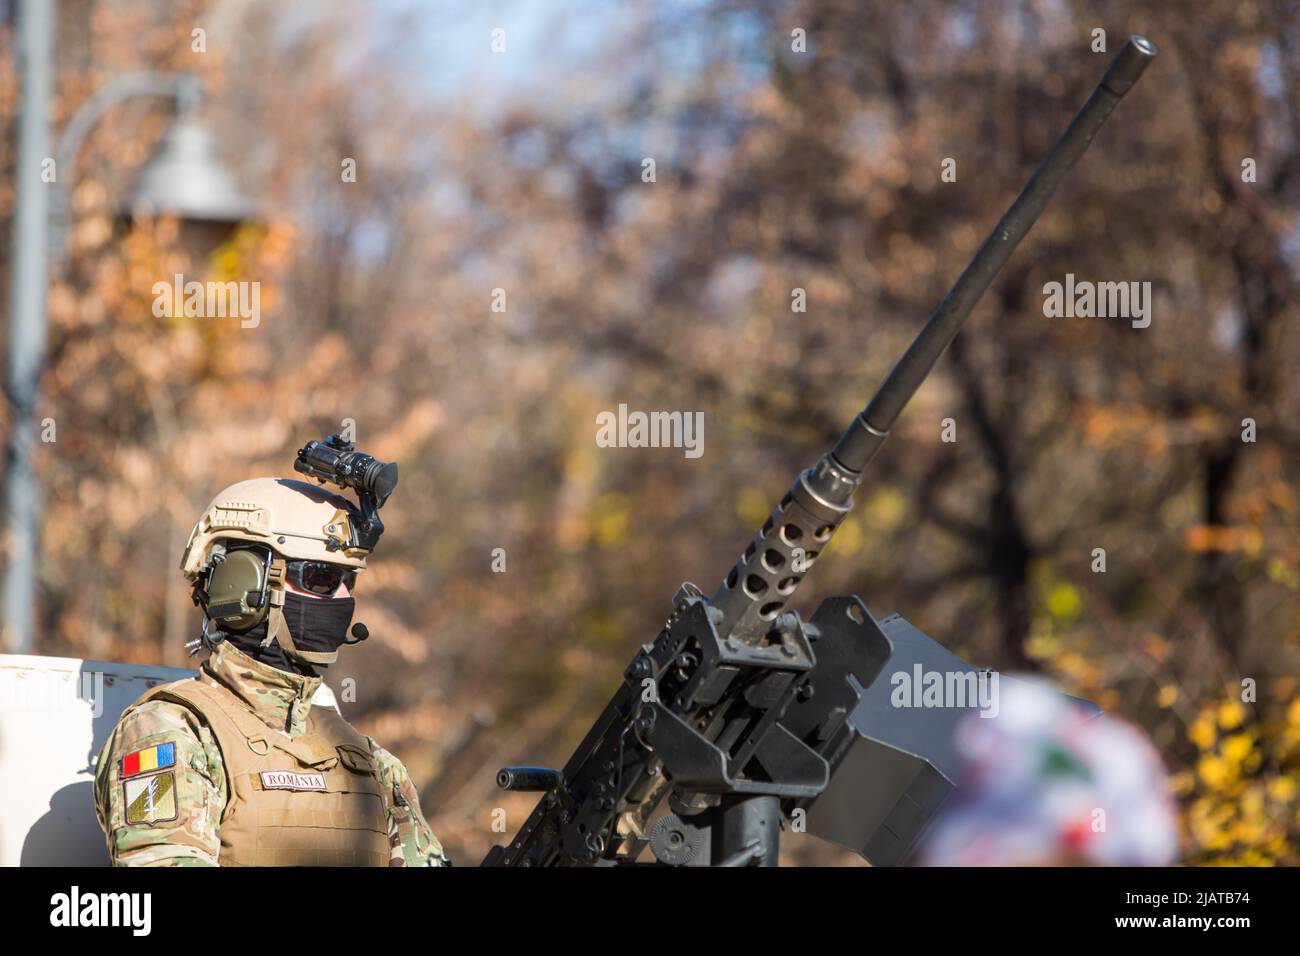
236 591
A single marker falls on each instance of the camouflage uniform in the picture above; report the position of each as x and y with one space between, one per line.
196 796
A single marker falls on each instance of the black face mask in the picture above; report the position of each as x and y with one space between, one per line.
317 624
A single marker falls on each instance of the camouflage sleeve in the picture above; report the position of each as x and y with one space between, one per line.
409 834
160 789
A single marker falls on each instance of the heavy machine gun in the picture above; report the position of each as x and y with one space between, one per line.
740 713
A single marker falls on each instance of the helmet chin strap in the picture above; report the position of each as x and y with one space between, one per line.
277 629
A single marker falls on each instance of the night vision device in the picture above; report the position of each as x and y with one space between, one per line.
337 461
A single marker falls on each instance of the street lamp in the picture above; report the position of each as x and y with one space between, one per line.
184 178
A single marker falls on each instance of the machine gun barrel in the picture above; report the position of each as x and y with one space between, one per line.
767 574
863 437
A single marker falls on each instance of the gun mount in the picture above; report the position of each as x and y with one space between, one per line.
740 713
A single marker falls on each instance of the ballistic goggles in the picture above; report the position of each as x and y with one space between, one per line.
319 577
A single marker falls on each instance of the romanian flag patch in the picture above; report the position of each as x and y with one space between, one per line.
157 757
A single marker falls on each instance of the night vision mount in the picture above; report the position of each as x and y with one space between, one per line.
337 461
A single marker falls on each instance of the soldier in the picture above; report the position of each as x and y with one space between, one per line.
243 765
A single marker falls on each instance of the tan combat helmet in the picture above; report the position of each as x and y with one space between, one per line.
295 518
296 521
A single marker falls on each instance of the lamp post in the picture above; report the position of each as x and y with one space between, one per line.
184 178
27 318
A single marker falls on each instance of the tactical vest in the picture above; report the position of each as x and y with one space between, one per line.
310 800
